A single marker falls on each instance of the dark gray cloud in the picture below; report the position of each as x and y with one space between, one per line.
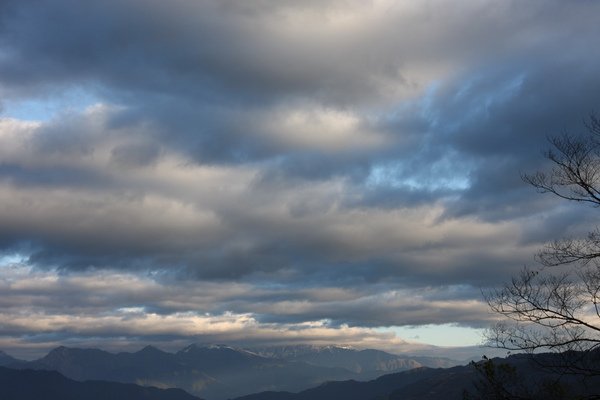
294 147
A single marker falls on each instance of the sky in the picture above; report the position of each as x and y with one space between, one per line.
263 172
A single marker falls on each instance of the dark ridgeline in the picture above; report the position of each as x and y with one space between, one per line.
50 385
419 383
530 381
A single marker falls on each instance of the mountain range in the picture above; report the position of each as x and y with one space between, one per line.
219 372
520 374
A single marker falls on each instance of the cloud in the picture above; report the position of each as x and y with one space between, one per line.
43 307
362 172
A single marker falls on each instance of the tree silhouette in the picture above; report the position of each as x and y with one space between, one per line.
555 308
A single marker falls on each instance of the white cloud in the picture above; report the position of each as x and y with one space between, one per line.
323 129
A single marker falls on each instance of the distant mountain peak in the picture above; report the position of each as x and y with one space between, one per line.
208 346
196 347
337 347
217 348
297 350
58 352
150 349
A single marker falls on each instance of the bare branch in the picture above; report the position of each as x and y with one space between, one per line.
557 308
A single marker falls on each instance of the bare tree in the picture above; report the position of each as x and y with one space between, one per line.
555 308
